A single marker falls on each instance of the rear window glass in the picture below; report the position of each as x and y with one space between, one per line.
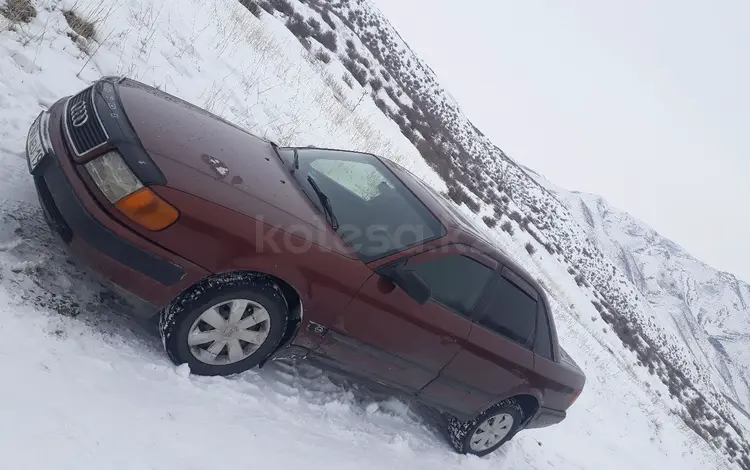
543 342
511 312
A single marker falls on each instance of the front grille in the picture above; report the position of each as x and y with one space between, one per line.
82 124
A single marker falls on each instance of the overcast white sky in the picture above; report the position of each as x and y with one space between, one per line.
645 103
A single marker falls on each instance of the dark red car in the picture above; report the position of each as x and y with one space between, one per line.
250 251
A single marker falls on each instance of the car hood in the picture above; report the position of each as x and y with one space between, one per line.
208 157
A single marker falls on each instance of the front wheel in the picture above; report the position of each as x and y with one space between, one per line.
225 324
487 432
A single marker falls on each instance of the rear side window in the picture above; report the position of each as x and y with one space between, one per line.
456 281
511 312
543 341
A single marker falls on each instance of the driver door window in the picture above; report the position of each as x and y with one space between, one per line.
457 281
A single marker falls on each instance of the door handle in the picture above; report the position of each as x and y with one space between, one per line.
450 339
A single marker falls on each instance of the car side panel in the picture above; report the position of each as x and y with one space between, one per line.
487 369
390 337
221 240
450 391
559 381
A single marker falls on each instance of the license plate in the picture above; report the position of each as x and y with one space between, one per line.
34 148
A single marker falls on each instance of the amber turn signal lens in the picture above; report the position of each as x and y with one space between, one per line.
146 208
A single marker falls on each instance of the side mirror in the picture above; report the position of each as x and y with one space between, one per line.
409 281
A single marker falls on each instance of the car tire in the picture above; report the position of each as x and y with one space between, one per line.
192 332
467 437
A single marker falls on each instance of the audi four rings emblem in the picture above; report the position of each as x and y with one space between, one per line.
78 114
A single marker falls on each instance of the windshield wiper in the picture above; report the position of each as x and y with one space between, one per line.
295 165
327 208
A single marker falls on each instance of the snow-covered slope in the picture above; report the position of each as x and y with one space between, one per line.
707 309
87 387
704 309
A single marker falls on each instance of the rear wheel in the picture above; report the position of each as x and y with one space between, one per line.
225 324
487 432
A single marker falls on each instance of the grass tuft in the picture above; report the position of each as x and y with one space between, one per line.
18 11
81 26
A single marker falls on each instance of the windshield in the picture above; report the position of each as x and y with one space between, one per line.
376 213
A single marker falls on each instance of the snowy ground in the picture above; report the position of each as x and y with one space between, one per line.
87 387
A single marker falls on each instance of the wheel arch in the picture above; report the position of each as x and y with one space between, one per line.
293 300
529 404
290 294
530 401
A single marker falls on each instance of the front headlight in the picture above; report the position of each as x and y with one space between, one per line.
123 189
112 176
44 133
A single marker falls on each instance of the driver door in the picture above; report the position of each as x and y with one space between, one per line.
388 337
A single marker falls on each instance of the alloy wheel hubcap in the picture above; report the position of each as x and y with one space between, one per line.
229 332
493 430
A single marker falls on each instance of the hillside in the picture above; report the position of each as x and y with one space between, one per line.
685 321
88 381
706 309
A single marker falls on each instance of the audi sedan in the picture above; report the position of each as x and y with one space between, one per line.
247 251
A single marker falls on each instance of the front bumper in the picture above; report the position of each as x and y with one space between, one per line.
120 255
68 218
